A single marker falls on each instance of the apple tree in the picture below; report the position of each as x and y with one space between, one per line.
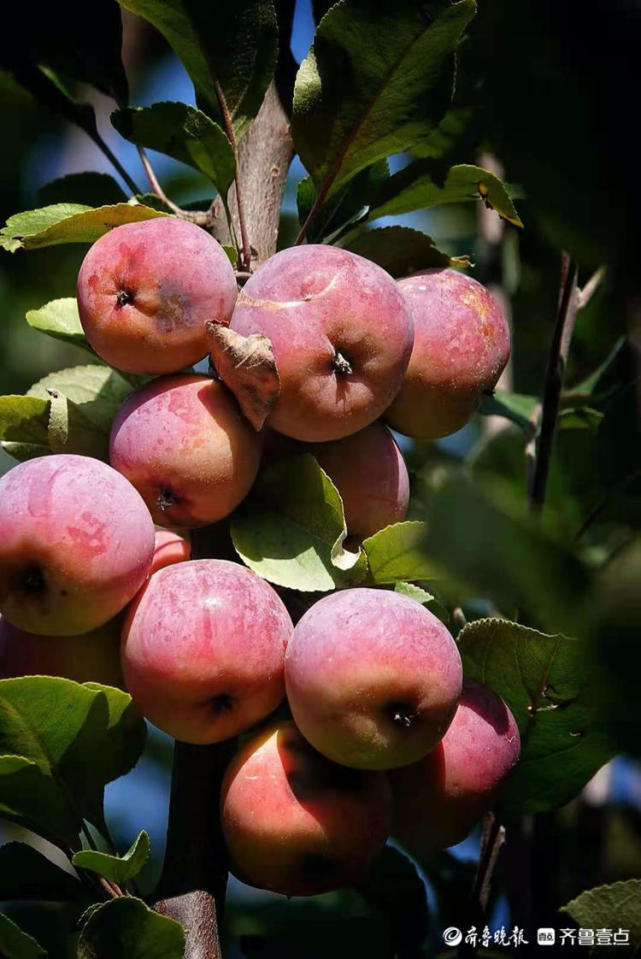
347 511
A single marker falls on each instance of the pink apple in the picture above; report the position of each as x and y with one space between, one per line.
76 545
341 336
184 444
439 799
203 649
373 678
146 290
169 548
461 346
296 823
369 472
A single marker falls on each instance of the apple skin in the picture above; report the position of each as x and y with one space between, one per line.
327 311
184 444
146 290
77 542
438 800
369 472
373 678
461 346
296 823
203 649
169 548
90 658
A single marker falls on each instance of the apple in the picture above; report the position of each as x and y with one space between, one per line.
369 472
438 800
76 546
296 823
203 649
169 548
184 444
461 346
146 291
341 337
373 678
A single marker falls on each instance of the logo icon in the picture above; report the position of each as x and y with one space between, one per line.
452 936
545 937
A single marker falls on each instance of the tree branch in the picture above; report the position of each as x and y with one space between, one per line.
113 159
569 305
492 839
244 253
194 878
264 155
195 217
539 450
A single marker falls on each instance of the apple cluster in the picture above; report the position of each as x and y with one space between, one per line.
385 736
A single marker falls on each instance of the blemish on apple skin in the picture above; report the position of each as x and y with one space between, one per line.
92 540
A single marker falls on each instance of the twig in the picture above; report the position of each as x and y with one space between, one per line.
244 253
200 218
492 839
112 890
113 159
571 301
554 376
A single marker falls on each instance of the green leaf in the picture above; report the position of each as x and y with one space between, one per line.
31 798
230 44
395 890
88 189
547 683
231 253
377 80
516 407
26 874
184 133
291 528
125 733
420 595
68 223
79 738
118 870
23 426
60 319
126 928
477 536
399 250
583 418
83 402
348 206
395 553
16 944
424 184
610 907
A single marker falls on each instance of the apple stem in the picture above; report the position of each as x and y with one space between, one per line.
341 365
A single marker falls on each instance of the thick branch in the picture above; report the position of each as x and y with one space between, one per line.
194 878
264 155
